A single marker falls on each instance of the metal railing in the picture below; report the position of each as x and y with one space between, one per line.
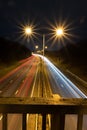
57 108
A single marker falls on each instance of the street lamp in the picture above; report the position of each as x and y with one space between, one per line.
28 31
36 46
59 31
46 47
43 43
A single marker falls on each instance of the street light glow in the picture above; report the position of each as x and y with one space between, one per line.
46 47
36 46
59 31
28 30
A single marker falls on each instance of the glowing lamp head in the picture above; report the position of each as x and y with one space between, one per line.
28 31
59 32
36 46
46 47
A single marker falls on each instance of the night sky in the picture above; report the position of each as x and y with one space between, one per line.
14 13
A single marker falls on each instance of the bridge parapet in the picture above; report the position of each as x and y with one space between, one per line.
57 108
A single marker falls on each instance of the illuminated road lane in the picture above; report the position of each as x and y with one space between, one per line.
60 84
10 83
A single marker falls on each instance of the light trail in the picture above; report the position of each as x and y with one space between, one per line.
72 87
34 83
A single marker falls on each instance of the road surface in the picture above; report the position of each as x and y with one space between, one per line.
37 77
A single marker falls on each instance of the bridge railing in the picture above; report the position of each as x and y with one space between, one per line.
57 108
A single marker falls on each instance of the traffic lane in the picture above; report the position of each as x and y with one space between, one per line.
41 84
47 84
59 86
16 79
12 88
24 88
63 81
37 85
7 76
10 77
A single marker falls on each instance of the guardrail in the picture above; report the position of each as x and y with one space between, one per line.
57 108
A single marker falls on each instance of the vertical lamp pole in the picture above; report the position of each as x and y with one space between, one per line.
43 66
43 44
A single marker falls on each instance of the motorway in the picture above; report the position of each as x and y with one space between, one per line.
59 83
36 77
25 81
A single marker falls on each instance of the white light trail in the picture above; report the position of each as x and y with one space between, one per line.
76 91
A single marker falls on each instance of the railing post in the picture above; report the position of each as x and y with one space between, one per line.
58 121
24 121
4 122
43 121
80 121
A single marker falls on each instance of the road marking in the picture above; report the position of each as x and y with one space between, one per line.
1 117
16 92
34 83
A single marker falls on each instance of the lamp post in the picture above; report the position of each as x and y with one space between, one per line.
43 44
59 32
44 47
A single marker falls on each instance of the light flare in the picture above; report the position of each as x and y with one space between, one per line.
28 31
61 31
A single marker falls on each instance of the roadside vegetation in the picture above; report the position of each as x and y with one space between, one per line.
10 55
4 69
